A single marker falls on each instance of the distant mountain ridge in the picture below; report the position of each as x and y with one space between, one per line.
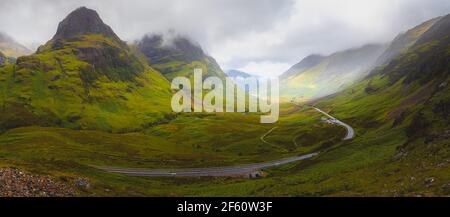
9 47
316 76
237 73
307 62
404 105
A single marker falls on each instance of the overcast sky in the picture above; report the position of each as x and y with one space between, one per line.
264 37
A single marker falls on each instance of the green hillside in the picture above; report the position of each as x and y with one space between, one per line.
84 78
401 115
86 99
401 118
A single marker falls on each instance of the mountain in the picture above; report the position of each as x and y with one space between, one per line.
10 48
404 41
80 22
401 114
317 76
425 60
236 73
177 56
307 62
85 77
438 32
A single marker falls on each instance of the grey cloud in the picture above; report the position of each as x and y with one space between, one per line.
206 20
235 32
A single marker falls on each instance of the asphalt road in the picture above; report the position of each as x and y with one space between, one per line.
350 131
223 171
210 171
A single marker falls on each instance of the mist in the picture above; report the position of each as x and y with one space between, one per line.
263 37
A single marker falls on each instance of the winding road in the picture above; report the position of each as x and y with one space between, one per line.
350 131
224 171
211 171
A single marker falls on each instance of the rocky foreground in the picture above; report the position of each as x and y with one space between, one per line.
15 183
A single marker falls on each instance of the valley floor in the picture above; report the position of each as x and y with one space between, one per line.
366 165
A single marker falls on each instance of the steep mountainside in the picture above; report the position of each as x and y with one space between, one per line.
11 48
177 56
404 41
426 59
85 77
318 76
401 116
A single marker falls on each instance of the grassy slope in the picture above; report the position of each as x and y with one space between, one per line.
68 154
402 139
382 160
393 154
56 88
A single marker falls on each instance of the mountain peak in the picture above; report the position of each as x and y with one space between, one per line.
173 55
83 21
162 48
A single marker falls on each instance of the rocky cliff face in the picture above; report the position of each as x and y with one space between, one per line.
83 21
158 50
84 34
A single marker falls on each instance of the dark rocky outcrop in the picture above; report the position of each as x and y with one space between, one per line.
157 50
83 21
173 55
